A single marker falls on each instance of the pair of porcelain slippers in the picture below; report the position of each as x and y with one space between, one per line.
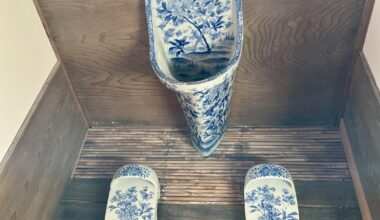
269 193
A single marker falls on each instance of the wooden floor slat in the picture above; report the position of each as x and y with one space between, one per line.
310 154
329 200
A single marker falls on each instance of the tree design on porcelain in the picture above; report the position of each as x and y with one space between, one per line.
132 204
197 36
195 47
132 170
271 206
201 20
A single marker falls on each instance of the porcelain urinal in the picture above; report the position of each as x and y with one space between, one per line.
134 194
269 193
195 47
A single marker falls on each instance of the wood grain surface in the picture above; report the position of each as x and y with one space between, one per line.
44 156
96 211
360 195
86 199
310 154
293 70
362 33
362 120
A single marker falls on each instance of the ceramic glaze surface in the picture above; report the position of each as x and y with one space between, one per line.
195 46
196 35
269 194
134 203
268 170
270 203
206 112
132 170
134 194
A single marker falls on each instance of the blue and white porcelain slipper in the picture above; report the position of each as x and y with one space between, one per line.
134 194
269 193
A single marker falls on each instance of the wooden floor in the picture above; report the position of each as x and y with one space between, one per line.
194 187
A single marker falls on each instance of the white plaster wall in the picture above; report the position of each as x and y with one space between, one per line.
26 59
372 43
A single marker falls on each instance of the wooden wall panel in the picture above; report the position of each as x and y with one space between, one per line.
362 120
44 155
292 72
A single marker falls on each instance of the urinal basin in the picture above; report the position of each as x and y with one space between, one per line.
195 46
134 194
269 193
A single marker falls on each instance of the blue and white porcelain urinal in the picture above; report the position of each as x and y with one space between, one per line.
269 193
195 47
134 194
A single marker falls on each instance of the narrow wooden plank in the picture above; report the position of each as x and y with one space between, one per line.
82 211
329 214
317 200
96 211
326 194
362 120
187 212
363 204
86 190
44 156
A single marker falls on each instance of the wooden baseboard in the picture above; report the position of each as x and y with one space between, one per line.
43 155
363 204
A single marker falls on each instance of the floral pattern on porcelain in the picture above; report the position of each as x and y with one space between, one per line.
267 170
207 112
195 46
269 204
197 36
132 170
132 204
166 77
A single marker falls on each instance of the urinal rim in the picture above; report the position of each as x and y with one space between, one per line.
286 176
152 177
172 83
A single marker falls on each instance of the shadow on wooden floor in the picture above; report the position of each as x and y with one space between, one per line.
195 187
85 199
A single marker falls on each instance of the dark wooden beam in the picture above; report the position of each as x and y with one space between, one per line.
363 203
328 200
362 121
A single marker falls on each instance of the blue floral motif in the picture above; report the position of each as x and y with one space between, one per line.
264 170
179 32
263 201
204 18
174 84
198 36
206 112
132 204
132 170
